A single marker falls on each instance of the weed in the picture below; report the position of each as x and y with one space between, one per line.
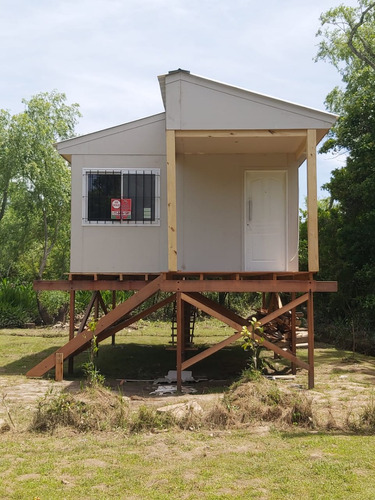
93 376
364 421
148 419
94 409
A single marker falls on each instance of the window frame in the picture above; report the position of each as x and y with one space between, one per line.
122 172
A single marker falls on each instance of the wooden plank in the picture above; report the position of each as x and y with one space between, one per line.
310 337
293 333
66 286
128 306
71 327
214 309
180 320
235 321
113 307
143 314
312 203
247 286
59 366
171 200
196 134
87 313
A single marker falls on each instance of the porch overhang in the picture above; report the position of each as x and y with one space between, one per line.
290 142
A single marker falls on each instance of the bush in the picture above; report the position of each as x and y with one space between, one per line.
17 304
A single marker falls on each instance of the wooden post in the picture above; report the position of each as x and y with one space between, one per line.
59 366
71 327
171 200
310 327
293 334
113 307
96 306
312 203
180 320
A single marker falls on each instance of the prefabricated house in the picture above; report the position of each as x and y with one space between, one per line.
201 197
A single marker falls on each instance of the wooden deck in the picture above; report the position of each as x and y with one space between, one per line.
184 288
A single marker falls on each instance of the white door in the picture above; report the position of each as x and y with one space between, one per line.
265 220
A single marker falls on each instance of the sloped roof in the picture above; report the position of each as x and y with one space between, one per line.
196 103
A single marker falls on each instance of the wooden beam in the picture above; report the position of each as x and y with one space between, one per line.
71 327
310 333
171 200
113 307
66 286
247 286
312 203
180 320
235 321
59 366
293 334
102 331
238 133
143 314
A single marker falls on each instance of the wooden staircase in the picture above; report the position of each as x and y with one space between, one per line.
105 327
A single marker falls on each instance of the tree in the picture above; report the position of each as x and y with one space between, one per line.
349 44
35 185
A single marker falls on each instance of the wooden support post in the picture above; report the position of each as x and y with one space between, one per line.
180 320
312 203
310 327
59 366
293 340
113 307
71 327
171 200
96 306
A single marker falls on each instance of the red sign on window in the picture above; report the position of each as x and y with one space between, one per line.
121 208
126 208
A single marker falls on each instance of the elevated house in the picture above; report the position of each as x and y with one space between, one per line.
201 197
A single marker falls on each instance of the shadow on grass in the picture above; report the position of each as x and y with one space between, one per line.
140 361
22 365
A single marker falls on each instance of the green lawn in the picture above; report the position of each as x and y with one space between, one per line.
256 461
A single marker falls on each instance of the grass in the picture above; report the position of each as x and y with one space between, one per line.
188 465
256 460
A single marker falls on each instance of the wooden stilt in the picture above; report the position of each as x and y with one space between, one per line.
293 334
59 366
96 306
71 327
310 327
180 338
113 307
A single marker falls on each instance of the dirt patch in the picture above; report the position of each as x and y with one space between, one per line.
343 387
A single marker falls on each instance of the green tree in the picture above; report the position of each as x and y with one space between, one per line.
35 187
348 43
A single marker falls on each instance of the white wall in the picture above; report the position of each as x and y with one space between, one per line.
210 211
108 248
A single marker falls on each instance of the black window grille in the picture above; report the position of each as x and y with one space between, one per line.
122 196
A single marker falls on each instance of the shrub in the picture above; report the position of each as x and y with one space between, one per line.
17 304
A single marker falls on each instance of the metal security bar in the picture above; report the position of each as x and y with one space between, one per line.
121 196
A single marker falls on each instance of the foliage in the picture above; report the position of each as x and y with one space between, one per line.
93 376
252 345
17 304
35 188
347 240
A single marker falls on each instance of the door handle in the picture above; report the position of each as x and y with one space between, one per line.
250 209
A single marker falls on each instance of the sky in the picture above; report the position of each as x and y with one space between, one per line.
106 55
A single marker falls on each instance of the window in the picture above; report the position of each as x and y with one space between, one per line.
130 197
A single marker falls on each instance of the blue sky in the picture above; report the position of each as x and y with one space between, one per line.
106 54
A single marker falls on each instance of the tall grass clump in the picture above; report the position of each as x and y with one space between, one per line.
17 304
